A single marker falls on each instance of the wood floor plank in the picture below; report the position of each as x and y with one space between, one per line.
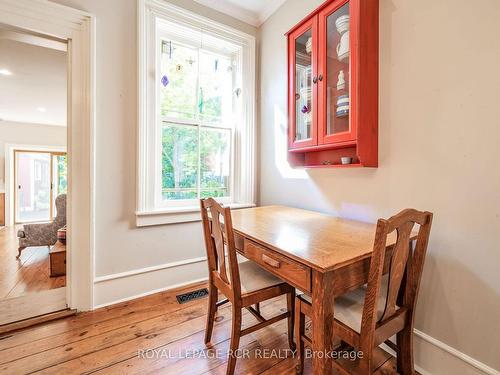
33 304
108 340
28 274
36 320
192 343
33 276
287 367
129 349
88 331
260 355
129 308
97 343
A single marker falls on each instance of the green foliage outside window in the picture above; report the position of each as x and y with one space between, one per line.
62 174
195 158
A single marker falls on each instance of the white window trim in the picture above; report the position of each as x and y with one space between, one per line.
244 158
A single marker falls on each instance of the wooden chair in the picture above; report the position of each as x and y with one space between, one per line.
369 316
247 283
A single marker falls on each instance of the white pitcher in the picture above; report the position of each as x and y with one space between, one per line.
343 47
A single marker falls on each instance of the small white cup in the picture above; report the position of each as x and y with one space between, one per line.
346 160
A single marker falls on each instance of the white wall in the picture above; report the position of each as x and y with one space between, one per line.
28 134
130 261
439 132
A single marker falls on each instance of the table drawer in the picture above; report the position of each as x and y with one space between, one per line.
285 268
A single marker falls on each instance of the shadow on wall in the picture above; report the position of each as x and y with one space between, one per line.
281 148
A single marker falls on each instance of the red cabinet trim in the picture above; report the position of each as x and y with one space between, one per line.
349 135
360 142
313 25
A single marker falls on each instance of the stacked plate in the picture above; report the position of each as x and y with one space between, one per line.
342 106
309 45
342 24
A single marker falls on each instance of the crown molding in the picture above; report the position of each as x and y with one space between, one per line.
252 18
271 7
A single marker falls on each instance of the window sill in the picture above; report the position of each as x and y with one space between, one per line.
176 215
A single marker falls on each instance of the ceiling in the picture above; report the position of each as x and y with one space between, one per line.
253 12
35 91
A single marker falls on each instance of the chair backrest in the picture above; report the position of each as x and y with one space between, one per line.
220 246
60 219
405 266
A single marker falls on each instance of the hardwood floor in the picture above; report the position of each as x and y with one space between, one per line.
28 274
153 334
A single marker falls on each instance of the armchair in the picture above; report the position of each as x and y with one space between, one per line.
43 234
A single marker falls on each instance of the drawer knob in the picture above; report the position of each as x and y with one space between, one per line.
270 261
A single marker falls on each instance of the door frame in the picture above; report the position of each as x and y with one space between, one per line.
78 29
52 152
10 148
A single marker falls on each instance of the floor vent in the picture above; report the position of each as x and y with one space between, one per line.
196 294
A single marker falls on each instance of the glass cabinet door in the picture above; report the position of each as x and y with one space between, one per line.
335 124
303 93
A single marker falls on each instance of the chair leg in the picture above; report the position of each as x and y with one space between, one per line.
235 340
404 339
366 363
257 307
21 248
300 325
290 304
365 366
212 309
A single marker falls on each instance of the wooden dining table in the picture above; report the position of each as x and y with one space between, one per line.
321 255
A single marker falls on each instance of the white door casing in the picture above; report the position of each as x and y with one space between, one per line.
78 28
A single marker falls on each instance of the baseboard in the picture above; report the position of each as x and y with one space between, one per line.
124 286
434 357
100 279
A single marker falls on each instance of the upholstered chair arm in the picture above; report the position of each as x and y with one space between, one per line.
41 234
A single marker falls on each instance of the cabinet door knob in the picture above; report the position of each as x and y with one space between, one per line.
315 79
320 78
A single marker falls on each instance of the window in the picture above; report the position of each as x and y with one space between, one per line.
196 108
197 101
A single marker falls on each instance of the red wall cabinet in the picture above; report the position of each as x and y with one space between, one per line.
333 86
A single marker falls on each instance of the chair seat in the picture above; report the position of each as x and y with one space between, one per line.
349 307
253 277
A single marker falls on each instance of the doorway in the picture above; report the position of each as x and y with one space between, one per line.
34 83
76 29
39 178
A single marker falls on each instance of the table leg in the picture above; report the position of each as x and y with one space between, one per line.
322 322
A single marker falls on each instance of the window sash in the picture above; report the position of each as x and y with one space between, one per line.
161 202
234 56
196 121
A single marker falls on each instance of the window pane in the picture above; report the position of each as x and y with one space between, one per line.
60 178
178 80
33 186
179 161
215 162
215 100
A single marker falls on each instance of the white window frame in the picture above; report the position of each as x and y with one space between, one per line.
242 189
